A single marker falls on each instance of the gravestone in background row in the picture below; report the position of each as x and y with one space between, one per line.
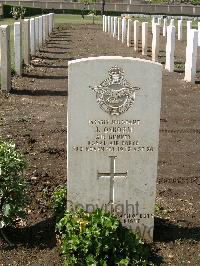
113 135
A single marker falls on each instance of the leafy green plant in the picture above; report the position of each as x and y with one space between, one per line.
99 239
13 197
59 201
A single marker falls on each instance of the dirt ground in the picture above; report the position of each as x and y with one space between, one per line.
34 116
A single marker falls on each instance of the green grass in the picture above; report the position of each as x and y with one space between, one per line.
76 19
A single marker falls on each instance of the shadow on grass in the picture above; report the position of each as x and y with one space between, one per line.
38 93
40 235
56 47
48 66
60 39
53 52
165 231
60 36
43 77
53 58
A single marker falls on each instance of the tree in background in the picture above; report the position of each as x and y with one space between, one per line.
18 12
103 7
86 5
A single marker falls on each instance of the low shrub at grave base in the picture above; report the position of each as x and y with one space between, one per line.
13 197
98 238
59 201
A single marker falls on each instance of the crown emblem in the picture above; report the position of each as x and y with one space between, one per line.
115 95
116 71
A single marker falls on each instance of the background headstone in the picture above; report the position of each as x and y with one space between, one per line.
111 26
155 42
144 37
26 41
136 34
180 30
119 28
189 27
44 28
5 58
191 56
37 33
170 48
32 36
18 47
129 26
40 31
115 27
123 29
164 27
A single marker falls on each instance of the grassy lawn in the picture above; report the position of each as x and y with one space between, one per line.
76 19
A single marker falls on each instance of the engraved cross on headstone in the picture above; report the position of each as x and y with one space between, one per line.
112 175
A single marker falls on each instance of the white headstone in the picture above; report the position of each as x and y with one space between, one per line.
164 27
153 21
26 41
180 30
113 140
189 27
155 42
51 15
40 31
170 48
37 33
144 37
53 25
44 28
172 22
111 26
160 21
5 58
18 47
47 26
119 28
191 56
103 22
123 29
129 27
106 24
198 33
32 36
115 27
136 34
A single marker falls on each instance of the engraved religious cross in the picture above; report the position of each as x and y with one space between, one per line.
112 175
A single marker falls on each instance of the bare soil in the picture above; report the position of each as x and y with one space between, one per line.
34 116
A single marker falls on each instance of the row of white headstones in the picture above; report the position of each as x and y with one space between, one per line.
29 36
121 28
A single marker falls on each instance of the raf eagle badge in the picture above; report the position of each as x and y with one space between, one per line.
115 95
